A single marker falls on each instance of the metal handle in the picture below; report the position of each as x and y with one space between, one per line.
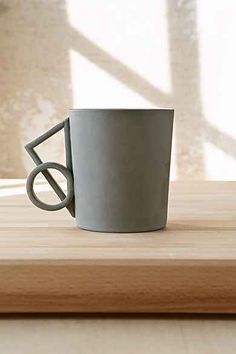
66 201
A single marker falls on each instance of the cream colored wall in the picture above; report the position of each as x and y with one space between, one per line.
128 53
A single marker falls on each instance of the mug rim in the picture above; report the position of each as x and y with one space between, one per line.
121 109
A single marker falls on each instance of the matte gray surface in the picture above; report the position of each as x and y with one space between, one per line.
66 201
120 161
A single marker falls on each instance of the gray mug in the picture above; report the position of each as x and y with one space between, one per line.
117 168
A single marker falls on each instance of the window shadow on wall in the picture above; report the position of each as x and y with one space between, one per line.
191 127
36 79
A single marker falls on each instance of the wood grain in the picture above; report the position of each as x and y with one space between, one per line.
48 265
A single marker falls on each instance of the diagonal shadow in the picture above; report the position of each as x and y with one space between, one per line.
117 69
191 127
221 140
177 22
190 123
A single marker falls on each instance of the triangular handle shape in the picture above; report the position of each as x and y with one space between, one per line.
66 201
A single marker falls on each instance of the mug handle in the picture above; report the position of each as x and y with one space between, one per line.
66 200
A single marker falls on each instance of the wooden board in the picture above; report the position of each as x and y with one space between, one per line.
48 265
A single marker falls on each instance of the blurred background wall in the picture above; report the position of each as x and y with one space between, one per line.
57 54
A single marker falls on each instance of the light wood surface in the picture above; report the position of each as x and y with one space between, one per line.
118 334
48 265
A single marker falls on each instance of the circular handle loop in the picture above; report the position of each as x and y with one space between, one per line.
30 186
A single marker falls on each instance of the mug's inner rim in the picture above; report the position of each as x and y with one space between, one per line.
121 109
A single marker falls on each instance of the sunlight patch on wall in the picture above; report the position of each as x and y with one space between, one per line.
134 32
94 88
219 166
217 49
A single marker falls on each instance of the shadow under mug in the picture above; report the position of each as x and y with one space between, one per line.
117 168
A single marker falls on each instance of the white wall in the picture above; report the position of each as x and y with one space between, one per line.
127 53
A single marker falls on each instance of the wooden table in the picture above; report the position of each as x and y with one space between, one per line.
133 334
48 265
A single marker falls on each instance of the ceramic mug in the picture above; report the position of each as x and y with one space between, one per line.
117 168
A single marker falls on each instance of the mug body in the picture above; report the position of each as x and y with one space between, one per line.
121 162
